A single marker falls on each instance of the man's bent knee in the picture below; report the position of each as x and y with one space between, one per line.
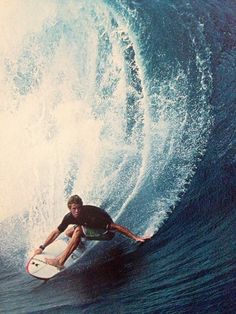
69 232
78 232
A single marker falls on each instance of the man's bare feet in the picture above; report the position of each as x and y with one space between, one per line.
54 262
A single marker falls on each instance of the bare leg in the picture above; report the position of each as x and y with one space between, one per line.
127 232
72 245
70 232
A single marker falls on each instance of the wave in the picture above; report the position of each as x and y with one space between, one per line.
99 104
131 105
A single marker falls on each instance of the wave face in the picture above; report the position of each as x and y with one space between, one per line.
131 105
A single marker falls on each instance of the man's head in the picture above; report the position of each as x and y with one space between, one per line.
75 204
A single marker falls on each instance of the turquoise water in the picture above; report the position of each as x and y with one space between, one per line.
131 105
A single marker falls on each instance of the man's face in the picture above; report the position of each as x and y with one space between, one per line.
75 210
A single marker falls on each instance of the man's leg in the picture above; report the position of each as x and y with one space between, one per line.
70 231
127 232
72 245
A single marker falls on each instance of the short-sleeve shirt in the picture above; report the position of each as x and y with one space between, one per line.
90 216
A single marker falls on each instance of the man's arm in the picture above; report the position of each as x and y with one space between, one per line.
52 237
128 233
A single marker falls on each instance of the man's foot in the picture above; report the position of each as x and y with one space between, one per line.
54 262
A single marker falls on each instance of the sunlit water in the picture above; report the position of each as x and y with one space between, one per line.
128 104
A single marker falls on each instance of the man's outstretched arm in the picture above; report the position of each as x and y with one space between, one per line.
52 237
125 231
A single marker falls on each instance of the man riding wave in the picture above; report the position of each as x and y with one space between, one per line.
90 222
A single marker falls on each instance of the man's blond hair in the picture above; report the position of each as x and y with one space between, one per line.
74 199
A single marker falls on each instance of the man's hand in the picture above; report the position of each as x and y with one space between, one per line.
143 239
38 251
52 236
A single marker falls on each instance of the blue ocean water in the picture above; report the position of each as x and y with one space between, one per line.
130 104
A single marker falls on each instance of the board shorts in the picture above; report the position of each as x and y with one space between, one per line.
96 234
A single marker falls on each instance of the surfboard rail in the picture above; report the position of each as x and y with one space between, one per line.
38 267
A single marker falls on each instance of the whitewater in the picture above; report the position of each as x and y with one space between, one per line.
131 105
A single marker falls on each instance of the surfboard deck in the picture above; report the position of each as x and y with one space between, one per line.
37 266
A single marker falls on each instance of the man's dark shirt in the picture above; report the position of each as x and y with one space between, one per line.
90 216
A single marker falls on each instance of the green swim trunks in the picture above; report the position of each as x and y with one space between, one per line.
97 234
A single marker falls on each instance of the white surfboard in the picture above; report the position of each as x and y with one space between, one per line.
37 266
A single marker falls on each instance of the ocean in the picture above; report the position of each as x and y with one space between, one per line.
131 105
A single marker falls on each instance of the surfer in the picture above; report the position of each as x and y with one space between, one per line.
90 222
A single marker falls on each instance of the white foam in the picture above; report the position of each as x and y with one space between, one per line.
66 88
